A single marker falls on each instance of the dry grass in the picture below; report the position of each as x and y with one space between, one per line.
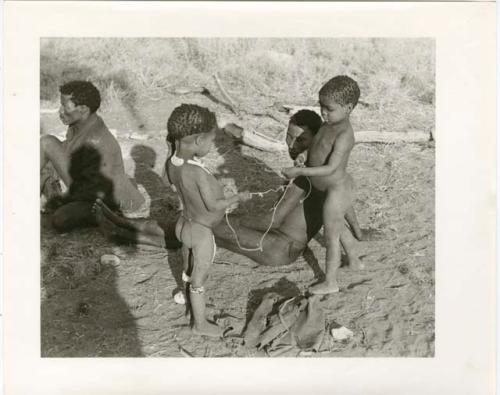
94 310
396 76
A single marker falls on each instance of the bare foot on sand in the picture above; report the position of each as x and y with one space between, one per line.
207 329
324 288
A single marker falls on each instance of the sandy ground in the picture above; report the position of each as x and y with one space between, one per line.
89 309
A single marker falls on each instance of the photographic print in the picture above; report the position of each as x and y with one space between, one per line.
249 197
237 197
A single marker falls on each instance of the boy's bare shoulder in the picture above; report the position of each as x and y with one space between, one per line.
194 172
343 136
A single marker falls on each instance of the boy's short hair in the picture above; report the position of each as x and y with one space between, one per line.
189 119
343 89
307 118
82 93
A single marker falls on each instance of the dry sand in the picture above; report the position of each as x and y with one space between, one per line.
89 309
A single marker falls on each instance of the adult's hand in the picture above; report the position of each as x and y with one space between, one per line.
291 172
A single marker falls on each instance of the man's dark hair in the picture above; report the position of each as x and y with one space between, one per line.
189 119
307 118
82 93
342 89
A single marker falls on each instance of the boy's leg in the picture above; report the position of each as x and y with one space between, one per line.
187 268
352 221
51 149
203 253
336 203
349 243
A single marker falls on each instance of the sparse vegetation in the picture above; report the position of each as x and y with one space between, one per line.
91 309
396 76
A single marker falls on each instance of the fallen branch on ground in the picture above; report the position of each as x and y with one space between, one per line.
254 139
368 136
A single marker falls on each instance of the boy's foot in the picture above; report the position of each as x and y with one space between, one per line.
207 329
324 288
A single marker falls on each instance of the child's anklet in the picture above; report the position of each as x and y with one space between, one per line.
197 290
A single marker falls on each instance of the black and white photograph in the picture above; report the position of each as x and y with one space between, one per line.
237 197
249 197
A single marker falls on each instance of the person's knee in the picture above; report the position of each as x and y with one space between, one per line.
278 257
48 141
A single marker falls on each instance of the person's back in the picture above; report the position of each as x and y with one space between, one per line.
192 130
185 179
89 162
96 165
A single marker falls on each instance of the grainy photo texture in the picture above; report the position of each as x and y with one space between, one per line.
243 197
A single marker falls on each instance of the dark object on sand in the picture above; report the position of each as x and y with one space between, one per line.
298 323
83 309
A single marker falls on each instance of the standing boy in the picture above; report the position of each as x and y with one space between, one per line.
327 163
192 129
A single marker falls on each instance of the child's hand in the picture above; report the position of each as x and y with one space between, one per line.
291 172
244 196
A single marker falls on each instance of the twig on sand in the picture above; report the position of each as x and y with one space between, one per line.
147 278
220 262
225 95
254 139
269 115
185 352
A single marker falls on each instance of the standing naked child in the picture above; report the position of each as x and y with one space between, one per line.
192 129
327 163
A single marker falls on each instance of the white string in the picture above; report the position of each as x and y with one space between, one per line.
274 209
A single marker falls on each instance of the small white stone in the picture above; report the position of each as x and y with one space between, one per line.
179 298
110 259
342 333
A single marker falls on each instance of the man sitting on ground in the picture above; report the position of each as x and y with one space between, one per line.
89 162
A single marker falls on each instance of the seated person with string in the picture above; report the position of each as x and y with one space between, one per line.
275 240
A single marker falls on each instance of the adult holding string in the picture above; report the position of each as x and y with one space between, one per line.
294 222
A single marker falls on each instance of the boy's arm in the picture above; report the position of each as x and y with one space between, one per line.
342 147
212 203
